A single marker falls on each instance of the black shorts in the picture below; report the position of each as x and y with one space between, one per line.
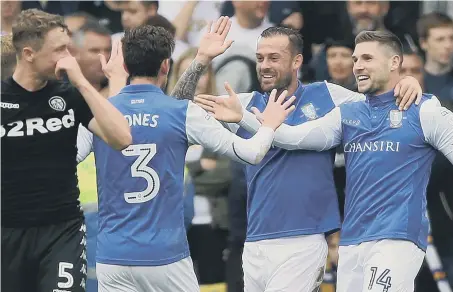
44 259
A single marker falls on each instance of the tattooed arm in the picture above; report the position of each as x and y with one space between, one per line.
187 83
212 44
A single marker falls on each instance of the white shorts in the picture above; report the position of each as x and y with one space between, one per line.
175 277
294 264
379 266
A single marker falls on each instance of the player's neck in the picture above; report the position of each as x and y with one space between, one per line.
391 84
146 80
28 79
436 68
291 88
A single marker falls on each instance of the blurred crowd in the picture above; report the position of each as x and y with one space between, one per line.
216 191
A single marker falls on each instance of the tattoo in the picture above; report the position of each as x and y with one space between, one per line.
187 83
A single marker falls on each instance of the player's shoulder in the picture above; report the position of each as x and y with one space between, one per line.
428 102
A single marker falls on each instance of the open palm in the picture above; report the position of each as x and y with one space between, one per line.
225 109
213 42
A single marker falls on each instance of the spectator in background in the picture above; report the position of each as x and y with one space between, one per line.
190 18
135 14
339 63
55 7
361 15
8 57
367 15
76 20
91 40
10 9
412 65
435 32
248 22
284 13
160 21
108 12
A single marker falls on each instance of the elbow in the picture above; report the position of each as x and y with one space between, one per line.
122 142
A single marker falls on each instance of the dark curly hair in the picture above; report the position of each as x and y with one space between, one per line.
145 48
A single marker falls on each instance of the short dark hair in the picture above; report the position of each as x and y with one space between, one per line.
430 21
144 49
347 43
90 26
160 21
31 26
385 38
8 56
295 38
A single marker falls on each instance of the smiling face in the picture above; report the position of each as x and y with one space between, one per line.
373 66
276 64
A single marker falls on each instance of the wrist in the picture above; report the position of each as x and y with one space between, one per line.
80 82
269 125
202 59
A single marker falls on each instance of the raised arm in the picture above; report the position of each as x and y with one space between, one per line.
211 45
108 123
437 126
208 132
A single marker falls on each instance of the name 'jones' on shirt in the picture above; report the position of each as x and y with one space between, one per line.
147 120
375 146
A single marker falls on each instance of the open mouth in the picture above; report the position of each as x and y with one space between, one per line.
362 78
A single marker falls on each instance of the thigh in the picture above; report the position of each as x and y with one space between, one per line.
298 266
18 268
61 250
253 267
175 277
114 278
350 269
391 266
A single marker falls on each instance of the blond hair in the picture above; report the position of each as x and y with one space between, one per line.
31 27
176 72
8 56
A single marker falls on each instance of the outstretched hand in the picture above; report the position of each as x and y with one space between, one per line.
276 111
213 42
225 109
115 66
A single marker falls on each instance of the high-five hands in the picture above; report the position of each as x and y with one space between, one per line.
213 42
276 110
229 109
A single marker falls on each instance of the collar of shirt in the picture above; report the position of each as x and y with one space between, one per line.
297 93
133 88
381 99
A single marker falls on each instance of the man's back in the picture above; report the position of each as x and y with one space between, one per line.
141 188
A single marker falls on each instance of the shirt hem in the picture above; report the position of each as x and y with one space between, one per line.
123 262
400 236
291 233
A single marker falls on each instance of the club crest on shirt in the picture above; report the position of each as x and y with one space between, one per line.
309 111
57 103
396 118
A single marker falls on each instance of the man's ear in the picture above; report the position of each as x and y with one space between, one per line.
165 67
28 54
298 60
396 63
423 44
